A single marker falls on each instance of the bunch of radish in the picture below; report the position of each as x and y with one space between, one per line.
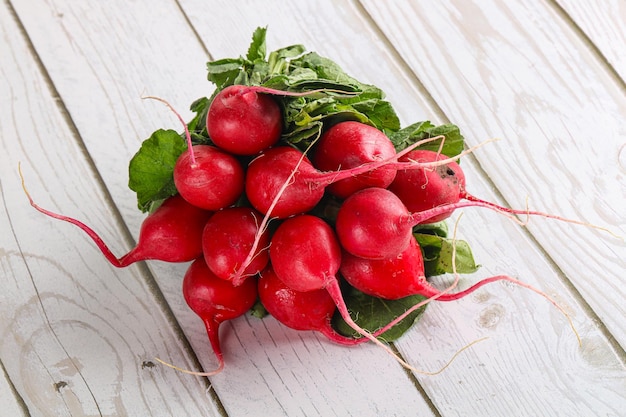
271 211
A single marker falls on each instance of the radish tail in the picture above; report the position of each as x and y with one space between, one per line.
212 329
90 232
489 204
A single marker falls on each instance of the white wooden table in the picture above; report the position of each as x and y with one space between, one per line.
78 337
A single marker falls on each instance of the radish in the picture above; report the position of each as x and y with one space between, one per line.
423 189
374 223
172 233
310 310
350 144
215 300
403 276
243 121
396 277
306 256
208 177
227 240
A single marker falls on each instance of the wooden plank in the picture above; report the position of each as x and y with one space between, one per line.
516 71
271 371
77 335
603 22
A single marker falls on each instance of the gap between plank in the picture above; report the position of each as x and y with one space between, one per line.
195 32
16 395
587 42
126 234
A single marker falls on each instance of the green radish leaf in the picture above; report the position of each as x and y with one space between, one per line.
452 145
224 72
151 169
257 50
437 252
200 107
329 70
372 313
380 112
437 229
278 61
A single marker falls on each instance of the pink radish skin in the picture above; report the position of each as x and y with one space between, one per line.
216 300
227 240
351 144
208 177
172 233
243 121
310 310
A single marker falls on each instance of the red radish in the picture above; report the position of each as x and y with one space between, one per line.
397 277
374 223
243 121
267 174
227 240
306 256
351 144
423 189
310 310
172 233
391 278
215 300
208 177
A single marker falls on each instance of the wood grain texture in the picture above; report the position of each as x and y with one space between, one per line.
492 68
603 23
